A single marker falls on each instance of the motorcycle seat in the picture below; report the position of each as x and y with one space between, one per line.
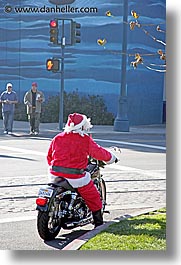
62 182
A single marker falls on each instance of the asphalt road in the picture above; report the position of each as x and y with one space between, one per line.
136 183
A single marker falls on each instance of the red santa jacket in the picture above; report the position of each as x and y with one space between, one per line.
71 150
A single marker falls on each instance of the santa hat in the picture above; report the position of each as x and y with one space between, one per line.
78 123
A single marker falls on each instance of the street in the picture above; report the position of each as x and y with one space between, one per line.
136 183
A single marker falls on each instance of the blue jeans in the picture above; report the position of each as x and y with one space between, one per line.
8 117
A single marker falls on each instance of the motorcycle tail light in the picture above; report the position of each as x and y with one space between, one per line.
41 201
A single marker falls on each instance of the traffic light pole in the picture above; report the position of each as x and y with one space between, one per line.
62 79
53 64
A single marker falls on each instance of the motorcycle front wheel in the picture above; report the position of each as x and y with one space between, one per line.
102 189
48 227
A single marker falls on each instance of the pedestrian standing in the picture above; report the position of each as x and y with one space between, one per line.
8 98
33 99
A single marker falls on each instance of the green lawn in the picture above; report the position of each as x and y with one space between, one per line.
144 232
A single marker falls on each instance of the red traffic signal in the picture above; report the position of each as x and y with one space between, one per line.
53 23
54 31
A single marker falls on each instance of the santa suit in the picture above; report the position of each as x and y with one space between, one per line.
71 150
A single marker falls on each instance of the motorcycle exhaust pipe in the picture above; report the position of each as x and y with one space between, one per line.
85 221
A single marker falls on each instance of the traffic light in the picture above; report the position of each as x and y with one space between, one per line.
53 65
54 31
75 33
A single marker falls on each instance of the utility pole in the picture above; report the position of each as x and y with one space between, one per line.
62 78
75 38
121 122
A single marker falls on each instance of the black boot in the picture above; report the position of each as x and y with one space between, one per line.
98 219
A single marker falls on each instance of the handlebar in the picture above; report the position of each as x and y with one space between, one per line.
100 163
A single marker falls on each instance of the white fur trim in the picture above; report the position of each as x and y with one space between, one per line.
85 123
112 160
72 124
75 183
80 182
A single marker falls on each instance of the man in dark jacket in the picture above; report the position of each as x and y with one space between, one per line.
33 99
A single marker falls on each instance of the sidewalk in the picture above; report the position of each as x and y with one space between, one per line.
48 128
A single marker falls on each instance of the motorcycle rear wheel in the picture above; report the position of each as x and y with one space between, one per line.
47 229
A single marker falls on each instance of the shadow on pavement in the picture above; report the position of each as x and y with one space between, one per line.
17 157
64 239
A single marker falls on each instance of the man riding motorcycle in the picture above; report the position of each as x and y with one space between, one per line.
68 158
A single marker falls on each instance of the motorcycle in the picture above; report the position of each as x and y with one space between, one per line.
60 206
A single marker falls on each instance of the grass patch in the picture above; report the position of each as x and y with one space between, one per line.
144 232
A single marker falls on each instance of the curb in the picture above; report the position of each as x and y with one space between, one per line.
78 242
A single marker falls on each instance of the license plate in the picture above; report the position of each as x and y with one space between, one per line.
45 192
